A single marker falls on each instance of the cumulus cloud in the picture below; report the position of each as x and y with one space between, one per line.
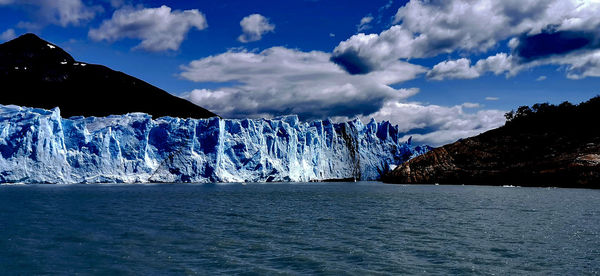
8 35
453 69
580 65
254 26
437 125
159 29
59 12
430 28
462 69
279 81
364 24
577 65
364 53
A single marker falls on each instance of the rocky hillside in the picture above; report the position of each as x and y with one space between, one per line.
542 145
37 73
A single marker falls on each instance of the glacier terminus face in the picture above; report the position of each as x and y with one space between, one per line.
39 146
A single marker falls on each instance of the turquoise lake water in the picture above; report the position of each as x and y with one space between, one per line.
308 228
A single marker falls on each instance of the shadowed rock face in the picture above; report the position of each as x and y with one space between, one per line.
558 146
36 73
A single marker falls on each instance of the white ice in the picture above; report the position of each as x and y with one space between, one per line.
39 146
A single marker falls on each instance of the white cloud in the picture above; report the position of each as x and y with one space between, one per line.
462 69
439 124
453 69
280 81
363 53
331 35
492 98
59 12
364 24
577 65
254 26
8 35
498 64
581 65
386 6
159 29
445 26
471 105
430 28
68 12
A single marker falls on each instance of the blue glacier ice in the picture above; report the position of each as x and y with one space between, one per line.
39 146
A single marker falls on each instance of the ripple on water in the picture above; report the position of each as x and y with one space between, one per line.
325 228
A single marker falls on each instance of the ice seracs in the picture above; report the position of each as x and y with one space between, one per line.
39 146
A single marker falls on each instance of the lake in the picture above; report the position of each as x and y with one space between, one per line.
305 228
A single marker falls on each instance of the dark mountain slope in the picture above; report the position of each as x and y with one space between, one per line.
36 73
541 146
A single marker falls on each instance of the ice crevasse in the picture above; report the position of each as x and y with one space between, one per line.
39 146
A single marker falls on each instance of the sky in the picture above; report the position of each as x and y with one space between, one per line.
440 69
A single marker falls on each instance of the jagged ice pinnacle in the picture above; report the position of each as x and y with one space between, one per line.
39 146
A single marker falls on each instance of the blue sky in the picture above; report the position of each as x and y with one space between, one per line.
441 70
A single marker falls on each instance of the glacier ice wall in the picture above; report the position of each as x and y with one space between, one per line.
39 146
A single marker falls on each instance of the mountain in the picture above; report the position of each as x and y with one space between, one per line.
543 145
39 146
36 73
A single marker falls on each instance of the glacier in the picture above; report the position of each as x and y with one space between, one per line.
39 146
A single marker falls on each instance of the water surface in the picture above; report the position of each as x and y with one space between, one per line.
324 228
